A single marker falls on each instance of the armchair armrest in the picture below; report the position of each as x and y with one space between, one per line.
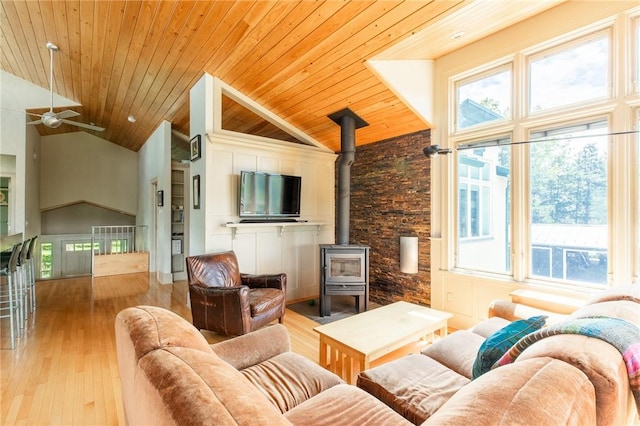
278 281
253 348
234 304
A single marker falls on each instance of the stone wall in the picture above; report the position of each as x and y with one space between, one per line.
390 198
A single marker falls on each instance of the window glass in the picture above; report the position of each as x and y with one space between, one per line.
568 197
484 99
118 246
46 260
484 207
571 75
5 224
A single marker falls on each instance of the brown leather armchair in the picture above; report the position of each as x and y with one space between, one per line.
228 302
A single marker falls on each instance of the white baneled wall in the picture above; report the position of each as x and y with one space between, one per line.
271 249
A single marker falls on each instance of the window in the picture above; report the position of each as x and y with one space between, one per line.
546 189
483 206
569 75
5 222
119 246
475 197
484 99
46 260
568 203
80 246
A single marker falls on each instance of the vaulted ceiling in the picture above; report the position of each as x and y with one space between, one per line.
302 60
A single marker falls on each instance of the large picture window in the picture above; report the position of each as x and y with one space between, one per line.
547 162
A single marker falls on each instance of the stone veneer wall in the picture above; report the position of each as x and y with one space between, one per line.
390 198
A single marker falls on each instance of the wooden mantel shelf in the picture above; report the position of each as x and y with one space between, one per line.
281 225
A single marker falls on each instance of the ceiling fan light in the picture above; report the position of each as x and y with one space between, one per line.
51 121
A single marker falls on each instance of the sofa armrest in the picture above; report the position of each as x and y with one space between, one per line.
516 311
278 281
600 362
253 348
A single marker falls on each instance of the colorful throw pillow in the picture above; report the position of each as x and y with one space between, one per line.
501 341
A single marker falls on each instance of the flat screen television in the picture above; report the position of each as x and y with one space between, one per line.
266 196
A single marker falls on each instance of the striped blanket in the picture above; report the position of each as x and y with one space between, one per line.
621 334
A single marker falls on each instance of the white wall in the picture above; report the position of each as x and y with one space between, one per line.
269 249
154 164
82 167
33 157
260 249
17 95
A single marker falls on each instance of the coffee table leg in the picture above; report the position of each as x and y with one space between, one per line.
323 352
363 364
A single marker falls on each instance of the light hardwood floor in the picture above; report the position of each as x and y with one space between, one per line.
64 370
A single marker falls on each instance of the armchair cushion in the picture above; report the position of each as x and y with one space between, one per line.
263 299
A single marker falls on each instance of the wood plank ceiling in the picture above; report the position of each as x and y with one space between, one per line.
302 60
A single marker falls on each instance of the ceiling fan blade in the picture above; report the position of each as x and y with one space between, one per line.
67 114
34 121
34 114
86 126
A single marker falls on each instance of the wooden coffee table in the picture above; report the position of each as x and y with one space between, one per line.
349 345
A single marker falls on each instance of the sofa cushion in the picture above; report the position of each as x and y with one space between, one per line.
456 351
415 386
502 340
489 326
191 387
515 394
341 405
289 379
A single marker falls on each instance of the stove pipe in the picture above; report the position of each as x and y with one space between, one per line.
348 122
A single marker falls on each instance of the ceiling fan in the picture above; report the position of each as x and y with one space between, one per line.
53 119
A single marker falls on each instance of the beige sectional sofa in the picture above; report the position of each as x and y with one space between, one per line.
561 379
171 375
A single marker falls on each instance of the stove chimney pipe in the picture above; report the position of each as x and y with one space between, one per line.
348 122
